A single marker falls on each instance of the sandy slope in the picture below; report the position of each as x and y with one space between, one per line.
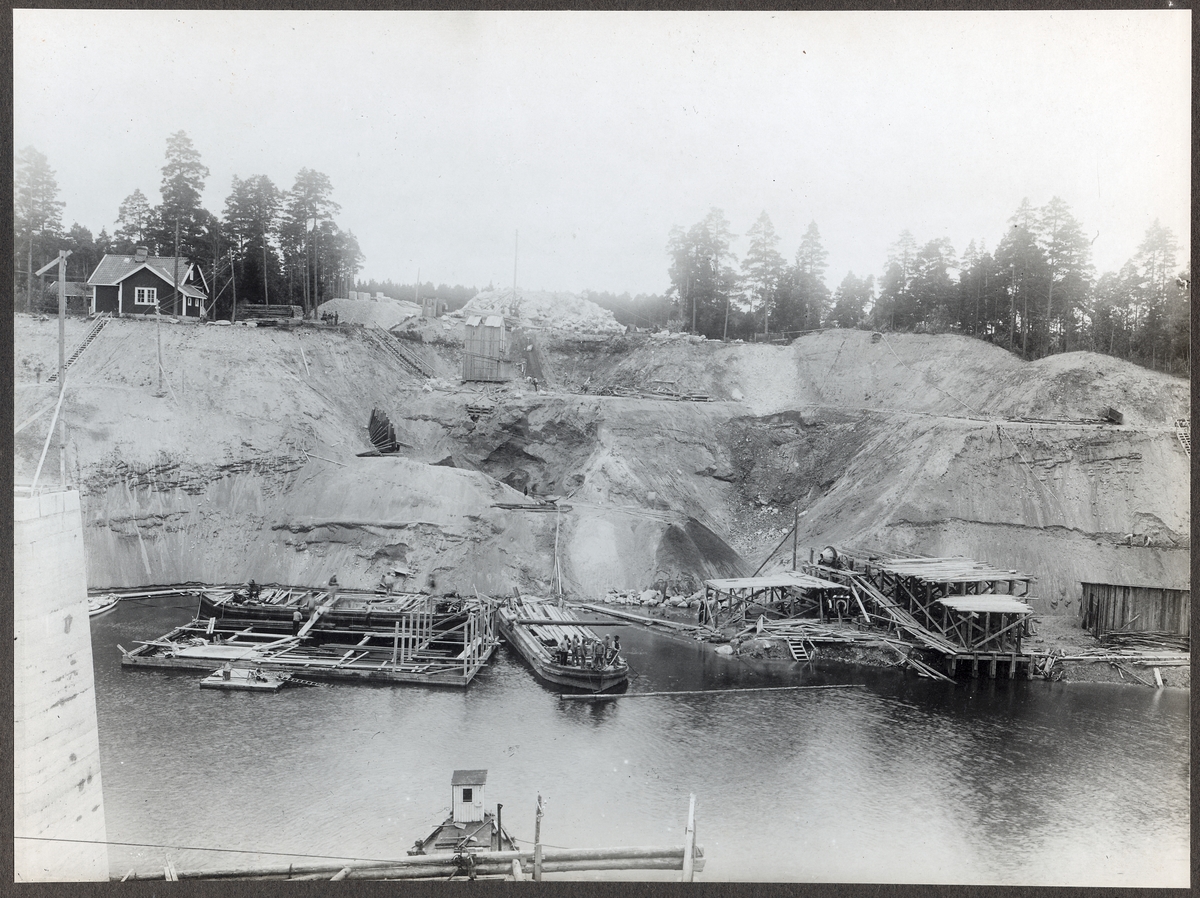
245 466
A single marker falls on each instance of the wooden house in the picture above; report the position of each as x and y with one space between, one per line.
485 349
140 283
1107 607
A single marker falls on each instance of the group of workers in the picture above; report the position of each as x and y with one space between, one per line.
595 654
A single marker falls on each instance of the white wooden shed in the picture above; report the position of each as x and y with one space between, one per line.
466 787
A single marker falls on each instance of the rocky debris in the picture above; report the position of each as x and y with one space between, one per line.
557 310
385 313
651 598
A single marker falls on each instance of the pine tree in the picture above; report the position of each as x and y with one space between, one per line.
37 210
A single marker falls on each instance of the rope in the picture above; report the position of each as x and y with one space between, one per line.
1033 474
317 857
939 389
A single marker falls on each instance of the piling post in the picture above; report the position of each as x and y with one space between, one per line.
395 642
537 842
689 843
795 534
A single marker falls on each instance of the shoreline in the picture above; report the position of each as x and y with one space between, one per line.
1060 633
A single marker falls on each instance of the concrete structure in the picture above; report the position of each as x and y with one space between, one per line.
56 750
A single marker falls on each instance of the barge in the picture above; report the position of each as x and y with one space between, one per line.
560 649
469 828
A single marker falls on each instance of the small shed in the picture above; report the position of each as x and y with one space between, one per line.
485 349
466 795
1135 609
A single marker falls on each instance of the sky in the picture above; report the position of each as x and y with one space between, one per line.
571 143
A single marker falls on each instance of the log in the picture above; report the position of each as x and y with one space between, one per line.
602 696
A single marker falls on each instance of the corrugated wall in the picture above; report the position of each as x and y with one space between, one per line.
483 349
1135 609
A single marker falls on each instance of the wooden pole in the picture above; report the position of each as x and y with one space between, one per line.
62 366
537 842
689 841
795 534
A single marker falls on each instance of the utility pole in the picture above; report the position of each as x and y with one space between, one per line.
61 262
266 291
233 281
516 250
175 297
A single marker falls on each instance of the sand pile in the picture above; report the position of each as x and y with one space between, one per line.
557 310
385 313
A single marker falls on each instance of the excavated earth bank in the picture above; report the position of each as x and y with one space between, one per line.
243 464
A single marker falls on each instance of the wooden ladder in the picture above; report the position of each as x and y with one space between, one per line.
87 341
1183 430
798 649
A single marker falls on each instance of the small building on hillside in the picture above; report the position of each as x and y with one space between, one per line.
140 283
485 349
1107 607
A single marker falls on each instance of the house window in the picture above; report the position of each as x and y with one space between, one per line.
466 796
145 296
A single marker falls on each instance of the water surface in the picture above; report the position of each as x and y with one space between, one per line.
901 780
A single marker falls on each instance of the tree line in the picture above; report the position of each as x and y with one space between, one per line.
1035 294
269 245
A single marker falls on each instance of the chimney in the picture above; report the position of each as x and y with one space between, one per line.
140 254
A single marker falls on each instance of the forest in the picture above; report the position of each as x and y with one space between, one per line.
1036 293
268 245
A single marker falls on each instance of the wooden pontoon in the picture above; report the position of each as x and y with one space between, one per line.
435 643
245 679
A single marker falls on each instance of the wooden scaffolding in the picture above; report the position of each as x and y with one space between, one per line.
973 607
791 593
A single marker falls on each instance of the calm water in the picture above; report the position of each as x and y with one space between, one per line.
903 780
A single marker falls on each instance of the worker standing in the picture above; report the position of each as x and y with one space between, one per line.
297 617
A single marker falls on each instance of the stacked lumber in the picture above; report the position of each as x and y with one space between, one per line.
1148 640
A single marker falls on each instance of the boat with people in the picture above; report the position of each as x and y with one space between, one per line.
273 607
559 648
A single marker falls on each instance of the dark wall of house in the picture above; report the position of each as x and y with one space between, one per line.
106 299
145 278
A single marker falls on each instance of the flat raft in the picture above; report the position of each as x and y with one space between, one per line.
535 630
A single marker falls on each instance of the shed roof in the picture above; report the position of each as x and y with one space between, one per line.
783 578
987 604
468 778
948 570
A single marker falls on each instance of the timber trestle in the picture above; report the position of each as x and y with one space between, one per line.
969 613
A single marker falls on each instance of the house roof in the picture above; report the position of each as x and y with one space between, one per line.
468 778
115 268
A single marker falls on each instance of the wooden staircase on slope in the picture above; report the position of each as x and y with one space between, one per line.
88 339
1183 430
406 357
